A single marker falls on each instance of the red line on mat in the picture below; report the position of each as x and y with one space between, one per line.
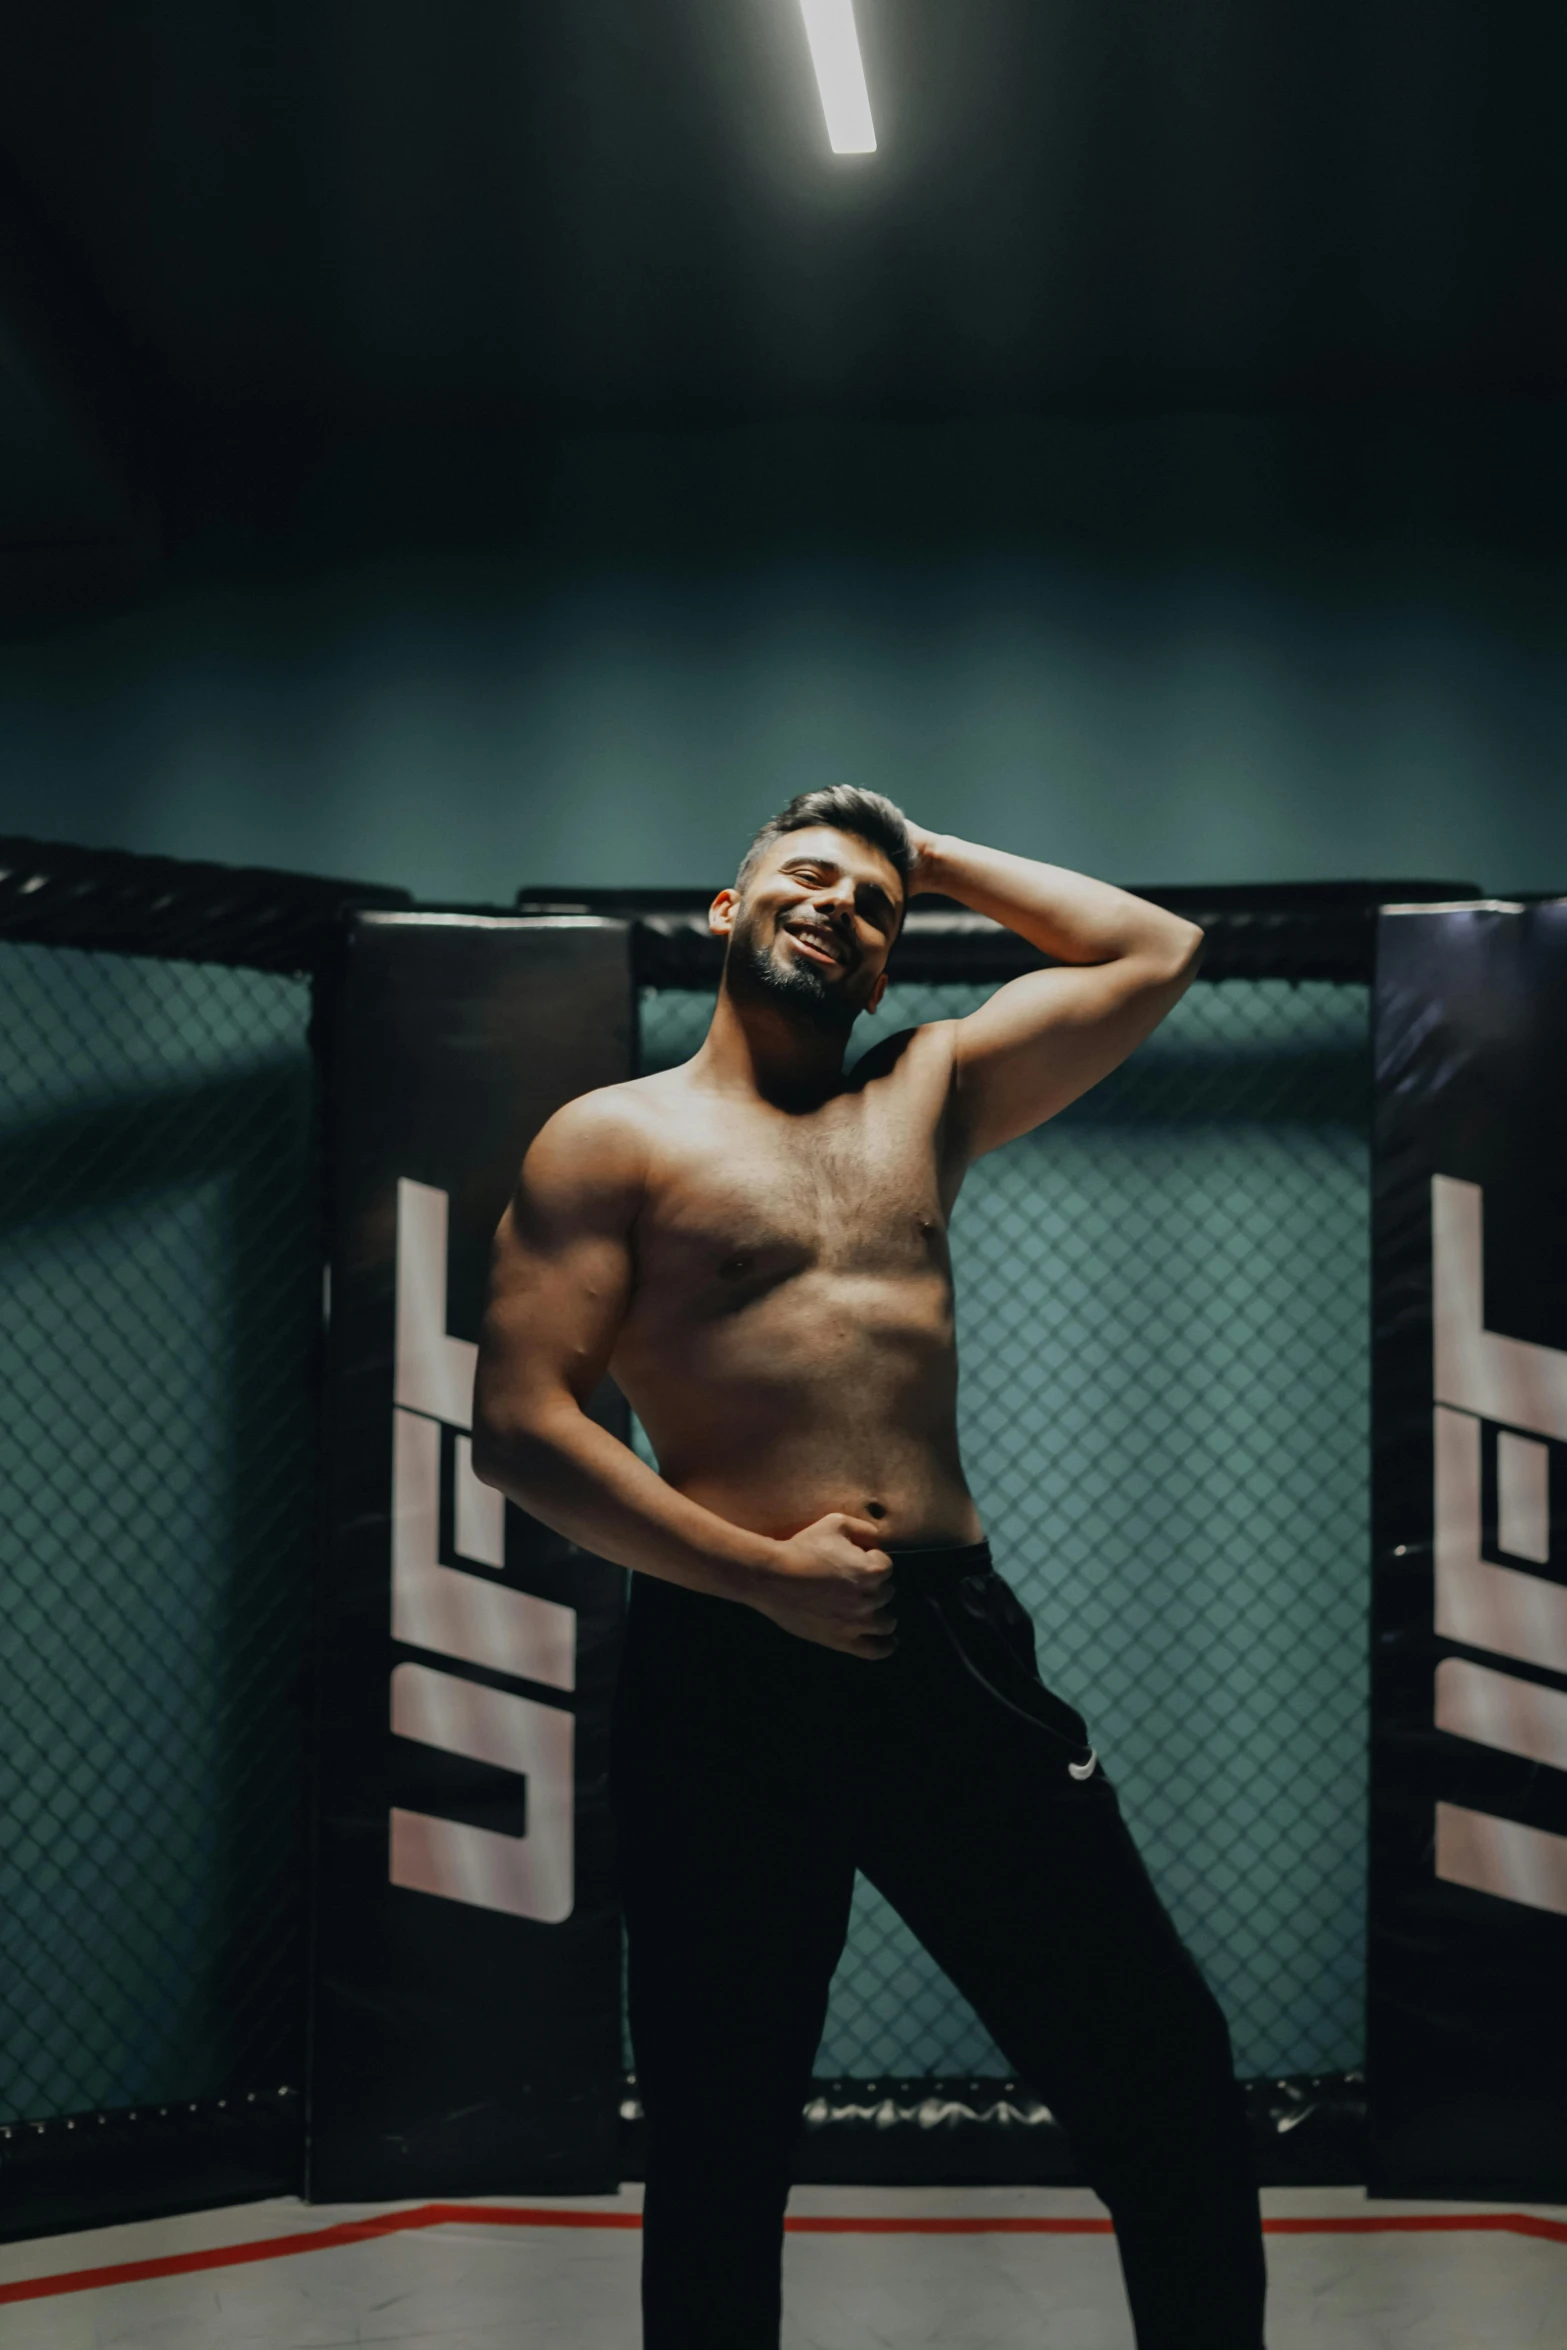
436 2215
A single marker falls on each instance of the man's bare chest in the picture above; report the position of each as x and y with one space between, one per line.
755 1199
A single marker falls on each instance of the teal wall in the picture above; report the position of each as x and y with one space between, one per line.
1195 649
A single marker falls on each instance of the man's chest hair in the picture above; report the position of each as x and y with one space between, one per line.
838 1187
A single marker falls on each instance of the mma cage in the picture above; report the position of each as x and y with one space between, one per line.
1164 1324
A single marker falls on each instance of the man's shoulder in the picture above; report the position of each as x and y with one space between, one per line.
609 1116
598 1141
587 1167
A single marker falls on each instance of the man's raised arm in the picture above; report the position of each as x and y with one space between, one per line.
560 1283
1045 1038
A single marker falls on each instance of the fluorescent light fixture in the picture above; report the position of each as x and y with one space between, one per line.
840 75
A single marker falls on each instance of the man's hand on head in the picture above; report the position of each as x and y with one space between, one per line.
831 1585
925 847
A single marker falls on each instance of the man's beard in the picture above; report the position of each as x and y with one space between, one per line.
755 974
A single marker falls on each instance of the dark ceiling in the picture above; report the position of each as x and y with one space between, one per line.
289 223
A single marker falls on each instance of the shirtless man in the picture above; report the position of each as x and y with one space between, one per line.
823 1671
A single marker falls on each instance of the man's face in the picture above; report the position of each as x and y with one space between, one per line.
812 930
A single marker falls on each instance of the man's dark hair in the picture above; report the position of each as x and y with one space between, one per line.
869 815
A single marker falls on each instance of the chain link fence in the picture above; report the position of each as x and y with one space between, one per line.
159 1303
1164 1410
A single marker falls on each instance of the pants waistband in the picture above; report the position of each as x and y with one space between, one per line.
927 1566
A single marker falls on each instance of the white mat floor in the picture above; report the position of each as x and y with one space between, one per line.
566 2278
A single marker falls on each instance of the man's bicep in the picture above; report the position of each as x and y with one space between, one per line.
554 1312
560 1279
1044 1039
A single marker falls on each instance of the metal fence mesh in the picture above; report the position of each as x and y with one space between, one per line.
159 1295
1162 1317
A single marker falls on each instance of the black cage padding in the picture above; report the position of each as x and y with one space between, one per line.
1283 930
54 894
97 2169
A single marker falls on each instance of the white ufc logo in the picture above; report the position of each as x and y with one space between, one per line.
461 1612
1513 1393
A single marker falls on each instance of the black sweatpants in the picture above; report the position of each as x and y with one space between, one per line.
753 1774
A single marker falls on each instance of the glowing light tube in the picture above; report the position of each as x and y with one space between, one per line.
840 75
